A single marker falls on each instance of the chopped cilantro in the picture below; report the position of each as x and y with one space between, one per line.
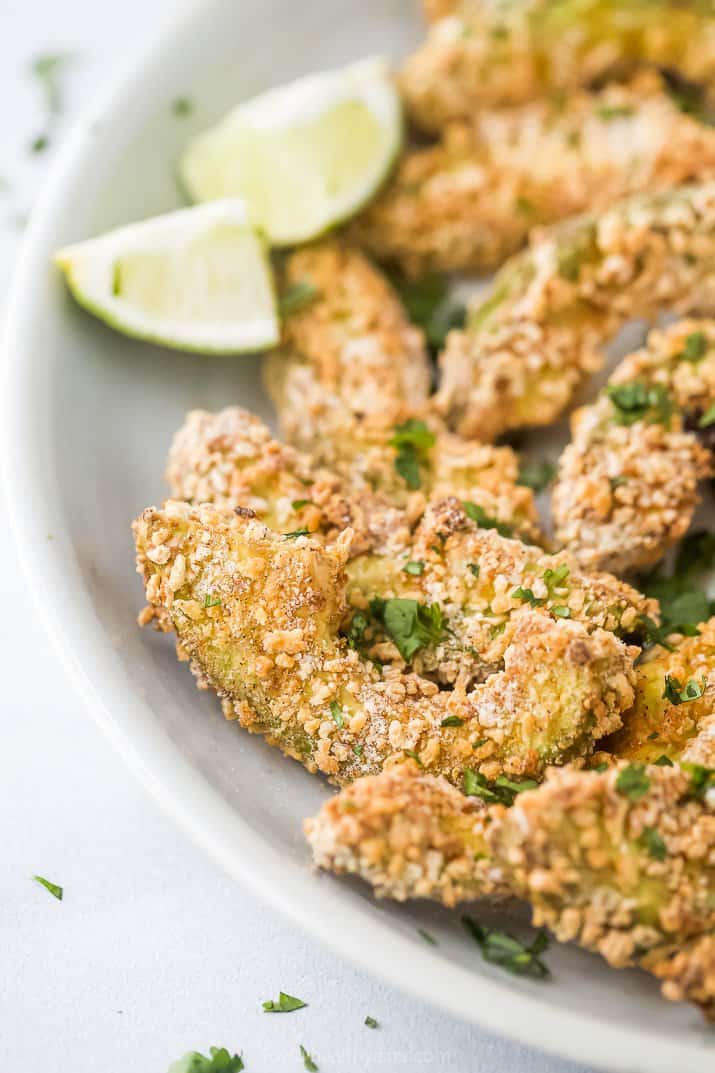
536 475
708 417
632 782
412 440
600 768
501 948
682 601
39 144
654 736
429 306
212 601
527 597
677 693
285 1004
49 70
413 756
608 112
303 531
427 937
54 890
702 779
415 567
473 568
695 347
561 611
554 579
308 1061
639 401
219 1062
371 1022
664 761
653 843
337 713
410 624
357 749
452 721
484 520
297 296
182 107
502 790
297 504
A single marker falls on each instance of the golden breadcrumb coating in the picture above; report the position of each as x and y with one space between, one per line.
492 53
622 862
350 365
627 484
675 725
231 459
537 338
469 202
259 616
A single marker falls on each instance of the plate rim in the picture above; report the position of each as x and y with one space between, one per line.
316 905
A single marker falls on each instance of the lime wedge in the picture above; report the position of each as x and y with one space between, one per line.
198 279
306 155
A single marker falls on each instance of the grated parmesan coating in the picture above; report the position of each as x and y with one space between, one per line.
625 493
539 336
468 202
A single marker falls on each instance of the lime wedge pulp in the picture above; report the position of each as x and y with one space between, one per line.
197 279
306 155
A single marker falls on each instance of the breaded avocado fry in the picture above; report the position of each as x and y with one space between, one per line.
539 335
260 615
487 53
470 201
627 484
621 862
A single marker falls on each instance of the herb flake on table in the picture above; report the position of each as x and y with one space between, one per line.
371 1022
505 950
308 1060
182 107
55 890
427 937
220 1061
285 1004
49 70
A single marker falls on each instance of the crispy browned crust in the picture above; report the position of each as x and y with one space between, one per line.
470 201
626 493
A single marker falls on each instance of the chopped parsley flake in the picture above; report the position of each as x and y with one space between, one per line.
39 144
219 1062
337 713
429 306
683 602
49 70
285 1004
664 761
427 937
677 693
410 624
536 475
357 749
212 601
412 440
303 531
527 597
501 948
502 790
297 504
608 112
702 779
561 611
53 888
554 579
600 768
524 206
639 401
695 348
308 1061
708 417
297 296
484 520
452 721
413 756
415 567
182 107
632 782
473 569
371 1022
653 843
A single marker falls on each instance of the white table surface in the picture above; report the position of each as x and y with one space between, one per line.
153 951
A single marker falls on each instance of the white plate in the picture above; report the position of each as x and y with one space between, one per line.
87 420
